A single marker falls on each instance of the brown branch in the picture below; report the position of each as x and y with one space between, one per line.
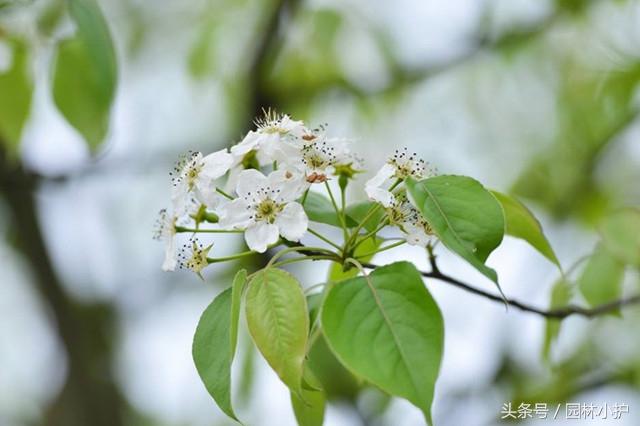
557 313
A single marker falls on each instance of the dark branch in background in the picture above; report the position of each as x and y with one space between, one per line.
558 313
89 396
266 44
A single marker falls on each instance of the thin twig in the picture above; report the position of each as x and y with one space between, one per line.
558 313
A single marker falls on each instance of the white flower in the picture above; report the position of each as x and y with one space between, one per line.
404 215
196 174
270 139
165 231
400 166
265 208
193 256
319 158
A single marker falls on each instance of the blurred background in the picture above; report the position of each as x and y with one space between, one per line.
533 97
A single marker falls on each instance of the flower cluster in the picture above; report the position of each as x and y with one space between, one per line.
258 187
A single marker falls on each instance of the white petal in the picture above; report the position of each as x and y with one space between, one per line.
286 152
251 141
211 199
292 222
216 164
170 259
289 182
268 147
294 127
380 195
232 179
416 236
250 180
381 177
374 189
179 194
235 215
261 235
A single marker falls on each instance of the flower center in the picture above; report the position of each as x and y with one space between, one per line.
196 260
192 173
318 156
267 210
407 165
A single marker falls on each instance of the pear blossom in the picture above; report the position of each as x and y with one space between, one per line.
405 216
266 208
166 231
194 256
269 140
400 166
196 174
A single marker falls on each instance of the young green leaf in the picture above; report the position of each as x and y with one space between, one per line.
387 329
521 223
277 317
560 296
621 235
85 73
212 352
319 209
601 279
16 88
464 215
309 410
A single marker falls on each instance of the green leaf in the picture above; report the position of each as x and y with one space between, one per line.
463 214
601 279
357 213
211 350
621 235
309 410
278 322
561 293
85 73
388 329
521 223
319 209
16 88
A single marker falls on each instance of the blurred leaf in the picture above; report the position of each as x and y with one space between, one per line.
201 56
319 209
561 293
16 89
592 111
601 279
212 353
85 73
521 223
464 215
309 410
621 235
388 329
279 324
296 67
51 16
